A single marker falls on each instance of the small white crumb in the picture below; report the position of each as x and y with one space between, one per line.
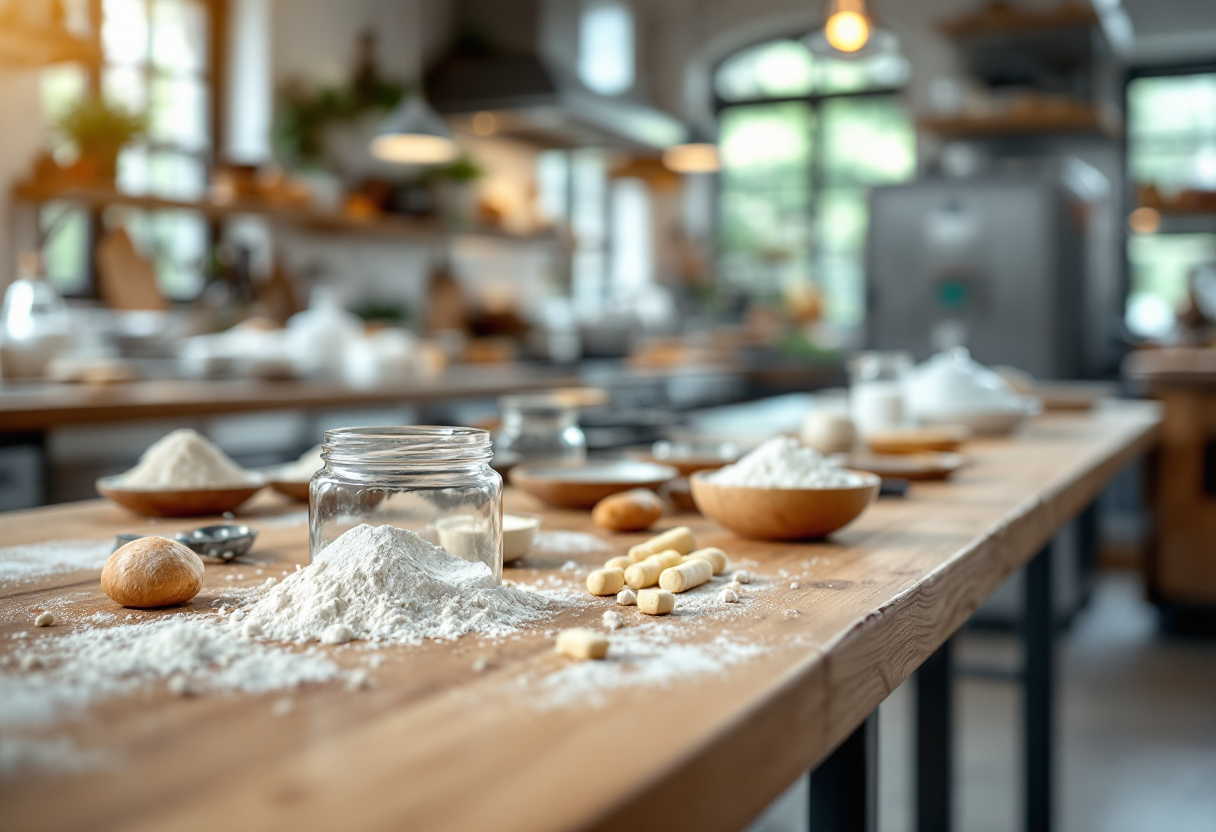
481 664
627 597
728 596
223 610
45 619
286 573
240 576
358 680
259 571
252 628
792 613
375 661
269 582
31 661
613 620
283 707
742 577
338 633
734 586
793 584
230 577
179 685
569 566
237 616
550 633
298 568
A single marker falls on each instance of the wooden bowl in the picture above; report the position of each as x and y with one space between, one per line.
582 486
942 438
294 489
193 503
783 513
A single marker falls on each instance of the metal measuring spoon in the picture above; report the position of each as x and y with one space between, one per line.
226 541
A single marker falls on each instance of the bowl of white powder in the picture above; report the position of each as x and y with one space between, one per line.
182 475
783 491
294 478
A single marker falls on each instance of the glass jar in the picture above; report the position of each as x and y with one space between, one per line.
540 428
435 481
876 390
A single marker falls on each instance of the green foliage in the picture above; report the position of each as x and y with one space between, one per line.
463 170
97 127
304 114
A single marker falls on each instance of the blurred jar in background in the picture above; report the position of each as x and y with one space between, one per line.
540 428
36 322
876 390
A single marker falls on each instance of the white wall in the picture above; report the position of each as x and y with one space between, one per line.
22 136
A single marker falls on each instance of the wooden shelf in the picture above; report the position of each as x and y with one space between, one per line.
297 215
1015 21
1042 123
27 46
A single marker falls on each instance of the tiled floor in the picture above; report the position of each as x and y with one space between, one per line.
1136 720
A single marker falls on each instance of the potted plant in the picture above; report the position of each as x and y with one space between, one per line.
100 130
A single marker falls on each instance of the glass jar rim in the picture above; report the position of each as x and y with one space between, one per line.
418 444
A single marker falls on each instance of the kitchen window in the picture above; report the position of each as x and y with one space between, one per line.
1171 150
803 139
157 57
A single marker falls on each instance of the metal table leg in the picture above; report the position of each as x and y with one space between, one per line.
934 740
844 789
1038 630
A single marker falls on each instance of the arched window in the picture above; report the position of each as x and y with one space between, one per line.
803 139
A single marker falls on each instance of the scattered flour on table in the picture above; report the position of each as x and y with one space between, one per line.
784 462
54 557
389 584
567 543
282 521
185 459
58 755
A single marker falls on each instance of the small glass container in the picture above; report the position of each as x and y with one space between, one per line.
435 481
876 390
541 428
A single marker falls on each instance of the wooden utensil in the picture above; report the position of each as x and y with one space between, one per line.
782 513
186 503
582 486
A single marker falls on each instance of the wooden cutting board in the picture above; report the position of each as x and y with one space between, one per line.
125 278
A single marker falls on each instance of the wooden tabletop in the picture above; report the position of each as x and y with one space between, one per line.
32 406
435 745
1172 366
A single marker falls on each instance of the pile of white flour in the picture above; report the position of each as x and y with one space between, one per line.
389 584
303 468
784 462
185 459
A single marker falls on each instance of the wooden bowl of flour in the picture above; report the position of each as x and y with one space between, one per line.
783 513
185 503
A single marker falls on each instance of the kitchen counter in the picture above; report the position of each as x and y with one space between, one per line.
435 745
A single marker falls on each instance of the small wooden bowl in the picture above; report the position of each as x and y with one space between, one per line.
582 486
941 438
193 503
294 489
783 513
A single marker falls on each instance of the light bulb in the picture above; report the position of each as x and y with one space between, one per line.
847 31
694 157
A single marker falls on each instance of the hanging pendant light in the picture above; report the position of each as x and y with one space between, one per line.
850 33
413 133
697 154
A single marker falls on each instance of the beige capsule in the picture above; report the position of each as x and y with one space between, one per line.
680 538
605 581
716 558
691 573
647 572
621 562
581 643
656 601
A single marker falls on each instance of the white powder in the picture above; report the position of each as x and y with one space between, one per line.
302 469
185 459
567 543
784 462
54 557
386 583
79 668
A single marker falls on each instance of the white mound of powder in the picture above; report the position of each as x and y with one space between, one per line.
386 583
302 469
784 462
185 459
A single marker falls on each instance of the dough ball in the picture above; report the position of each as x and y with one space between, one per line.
828 432
152 572
629 511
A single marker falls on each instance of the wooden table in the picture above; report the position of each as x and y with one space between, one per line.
435 745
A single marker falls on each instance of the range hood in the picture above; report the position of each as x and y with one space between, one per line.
534 97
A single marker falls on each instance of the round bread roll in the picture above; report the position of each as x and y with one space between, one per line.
152 572
629 511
